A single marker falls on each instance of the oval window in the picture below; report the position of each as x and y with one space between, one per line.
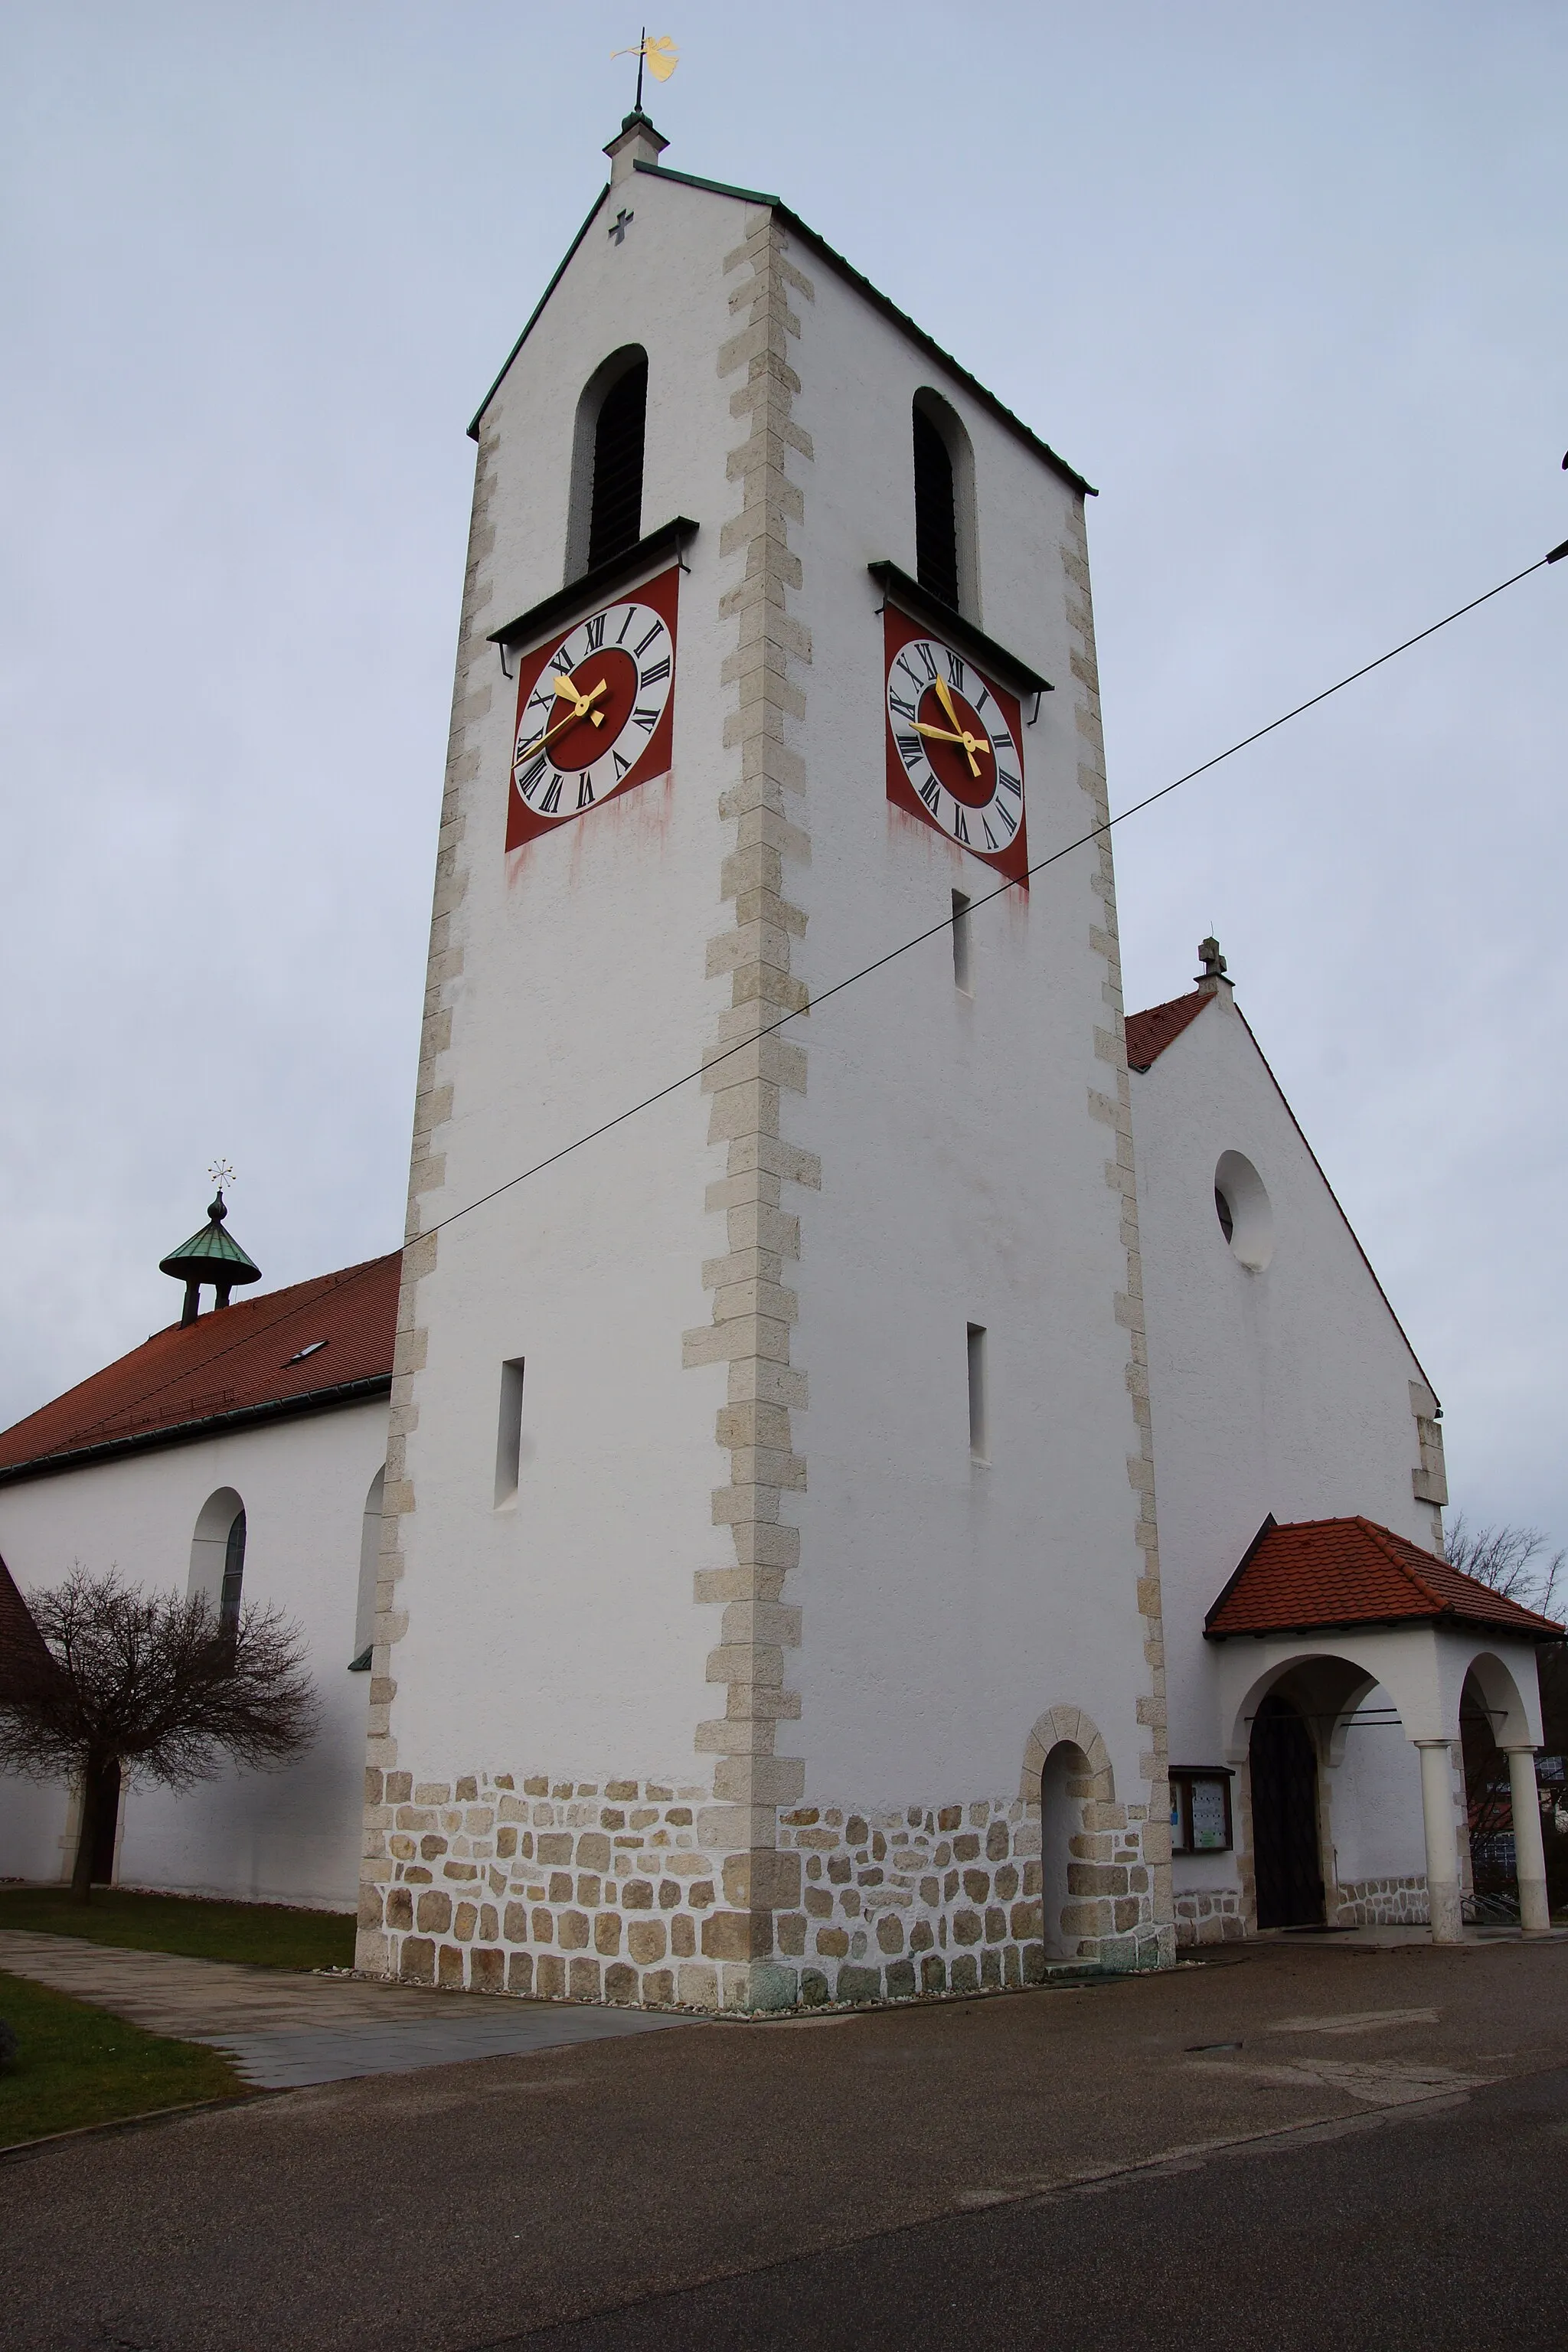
1245 1212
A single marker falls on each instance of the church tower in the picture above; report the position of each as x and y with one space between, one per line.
769 1605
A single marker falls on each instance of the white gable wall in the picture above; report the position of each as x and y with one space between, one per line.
1286 1390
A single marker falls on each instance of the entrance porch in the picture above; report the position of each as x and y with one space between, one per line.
1346 1658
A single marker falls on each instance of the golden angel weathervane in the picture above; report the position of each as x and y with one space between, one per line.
660 54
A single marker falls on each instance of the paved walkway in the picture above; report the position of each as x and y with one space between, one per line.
283 2029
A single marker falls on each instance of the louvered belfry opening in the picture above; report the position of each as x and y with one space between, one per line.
616 523
936 518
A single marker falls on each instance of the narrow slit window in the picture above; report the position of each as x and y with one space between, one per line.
936 513
961 965
508 1432
616 523
979 1435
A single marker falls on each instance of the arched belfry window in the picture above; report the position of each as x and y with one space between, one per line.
944 504
605 516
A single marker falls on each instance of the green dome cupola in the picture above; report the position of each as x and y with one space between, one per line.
211 1256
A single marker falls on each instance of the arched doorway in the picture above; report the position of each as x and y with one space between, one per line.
1283 1771
1067 1772
1065 1782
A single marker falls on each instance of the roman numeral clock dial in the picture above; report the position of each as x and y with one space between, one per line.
954 755
594 712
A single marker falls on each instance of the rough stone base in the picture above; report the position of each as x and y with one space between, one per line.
1383 1903
613 1891
896 1902
1209 1914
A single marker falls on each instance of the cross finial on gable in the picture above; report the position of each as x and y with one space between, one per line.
1215 973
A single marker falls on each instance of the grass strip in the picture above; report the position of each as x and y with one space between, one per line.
267 1935
76 2064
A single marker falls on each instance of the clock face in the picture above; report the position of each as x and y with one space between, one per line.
955 753
594 712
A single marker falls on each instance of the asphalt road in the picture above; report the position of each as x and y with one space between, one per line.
1394 2232
1306 2144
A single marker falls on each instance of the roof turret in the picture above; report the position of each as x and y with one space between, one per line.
211 1256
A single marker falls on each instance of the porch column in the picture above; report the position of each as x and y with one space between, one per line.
1529 1853
1442 1849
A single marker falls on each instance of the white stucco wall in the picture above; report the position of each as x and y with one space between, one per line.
947 1604
284 1837
1285 1390
1375 1797
584 987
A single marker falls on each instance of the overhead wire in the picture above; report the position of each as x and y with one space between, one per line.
933 930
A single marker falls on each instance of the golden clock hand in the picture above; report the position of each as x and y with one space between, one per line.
972 743
570 720
945 698
564 685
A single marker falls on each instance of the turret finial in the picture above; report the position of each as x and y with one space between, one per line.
212 1256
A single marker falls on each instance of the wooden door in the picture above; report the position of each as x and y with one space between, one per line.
1284 1772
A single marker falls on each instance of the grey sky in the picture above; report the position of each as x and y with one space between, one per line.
1288 286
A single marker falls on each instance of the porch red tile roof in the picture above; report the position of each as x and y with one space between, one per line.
1313 1574
1149 1032
249 1361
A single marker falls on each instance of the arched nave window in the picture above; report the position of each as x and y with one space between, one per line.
369 1556
218 1556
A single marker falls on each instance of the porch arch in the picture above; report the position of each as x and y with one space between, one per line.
1505 1703
1490 1680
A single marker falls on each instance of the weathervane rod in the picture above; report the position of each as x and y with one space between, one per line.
642 56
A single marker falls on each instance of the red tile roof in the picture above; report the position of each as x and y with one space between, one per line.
1316 1573
23 1659
236 1365
1149 1033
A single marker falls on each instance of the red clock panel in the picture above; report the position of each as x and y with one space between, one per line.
595 711
955 757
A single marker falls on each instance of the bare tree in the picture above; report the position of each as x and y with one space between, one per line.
151 1686
1509 1560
